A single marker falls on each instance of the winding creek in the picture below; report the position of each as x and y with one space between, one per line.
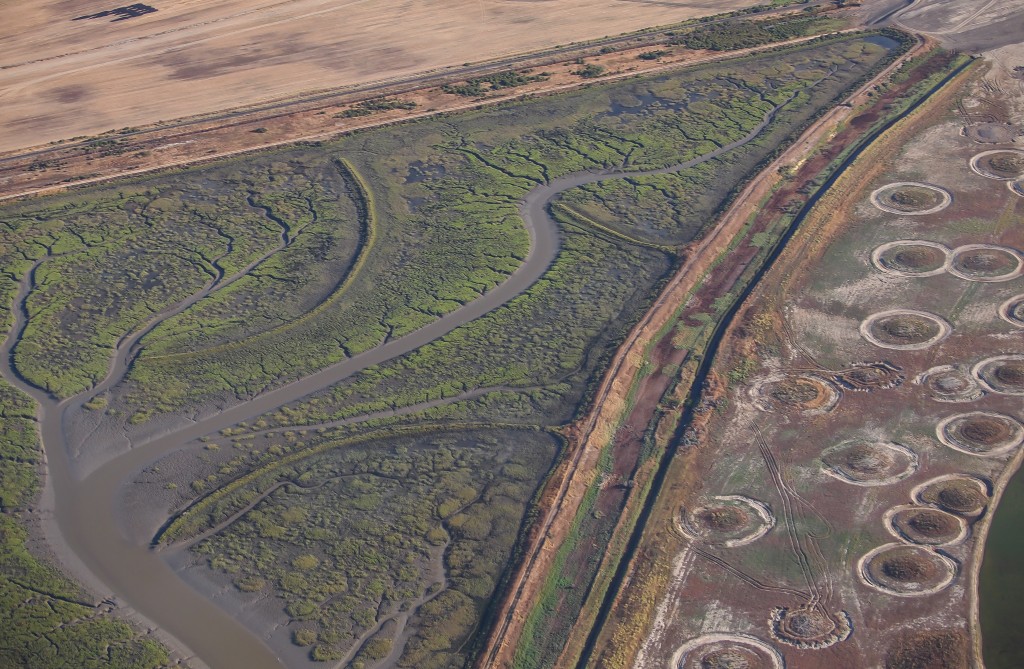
85 531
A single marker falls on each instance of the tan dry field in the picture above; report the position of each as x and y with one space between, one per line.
61 77
872 557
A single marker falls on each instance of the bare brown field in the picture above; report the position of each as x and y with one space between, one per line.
881 501
195 140
61 77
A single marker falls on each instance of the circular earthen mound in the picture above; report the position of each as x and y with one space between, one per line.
1002 164
1012 311
795 392
723 650
981 433
911 198
962 495
870 376
727 520
927 526
985 262
904 329
809 628
990 133
867 463
1002 374
907 571
950 383
911 258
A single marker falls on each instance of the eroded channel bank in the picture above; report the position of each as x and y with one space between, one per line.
86 532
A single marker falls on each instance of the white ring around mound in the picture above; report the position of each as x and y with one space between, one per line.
944 329
977 370
918 490
865 576
1006 276
1004 310
912 465
759 508
890 514
940 432
834 394
726 637
947 198
988 175
876 257
970 393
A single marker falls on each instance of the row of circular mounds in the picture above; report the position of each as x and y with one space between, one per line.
939 516
899 568
917 258
811 393
1001 374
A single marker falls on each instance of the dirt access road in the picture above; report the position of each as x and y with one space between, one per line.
74 68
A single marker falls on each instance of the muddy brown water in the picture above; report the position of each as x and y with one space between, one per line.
87 534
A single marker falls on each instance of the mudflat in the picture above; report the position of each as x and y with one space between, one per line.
79 68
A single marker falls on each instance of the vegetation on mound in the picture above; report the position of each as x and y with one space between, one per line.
495 82
368 107
932 649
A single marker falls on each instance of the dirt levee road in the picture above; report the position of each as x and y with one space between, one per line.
76 68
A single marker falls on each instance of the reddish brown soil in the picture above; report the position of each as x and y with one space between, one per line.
742 585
